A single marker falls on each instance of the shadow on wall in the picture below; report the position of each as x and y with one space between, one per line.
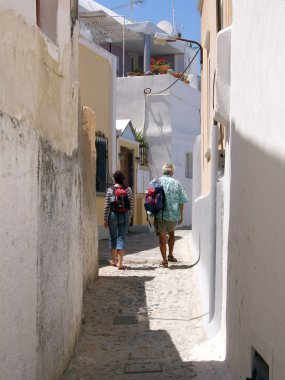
255 247
153 101
158 130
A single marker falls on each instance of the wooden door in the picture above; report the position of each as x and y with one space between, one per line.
127 165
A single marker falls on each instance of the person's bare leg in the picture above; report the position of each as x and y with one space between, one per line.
121 253
171 241
162 245
114 256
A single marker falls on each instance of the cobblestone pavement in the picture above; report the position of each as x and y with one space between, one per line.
145 322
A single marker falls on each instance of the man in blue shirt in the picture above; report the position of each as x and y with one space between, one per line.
166 220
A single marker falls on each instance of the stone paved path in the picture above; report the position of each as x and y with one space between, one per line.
145 322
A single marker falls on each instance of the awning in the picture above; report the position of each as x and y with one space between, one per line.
106 28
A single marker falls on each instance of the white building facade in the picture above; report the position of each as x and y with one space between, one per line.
255 306
248 213
168 119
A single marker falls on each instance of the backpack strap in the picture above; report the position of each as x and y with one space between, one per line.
157 181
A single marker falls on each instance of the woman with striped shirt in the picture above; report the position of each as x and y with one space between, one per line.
117 217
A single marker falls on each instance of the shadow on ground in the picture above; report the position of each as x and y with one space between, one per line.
117 342
147 244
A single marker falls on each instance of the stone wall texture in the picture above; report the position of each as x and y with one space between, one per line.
48 230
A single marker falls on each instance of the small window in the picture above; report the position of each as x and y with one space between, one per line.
143 159
132 64
102 176
134 61
189 165
47 17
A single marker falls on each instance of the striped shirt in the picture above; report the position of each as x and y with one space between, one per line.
109 194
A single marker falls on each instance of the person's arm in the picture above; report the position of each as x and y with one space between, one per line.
181 213
131 199
107 208
182 199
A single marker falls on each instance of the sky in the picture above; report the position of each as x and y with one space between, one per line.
186 16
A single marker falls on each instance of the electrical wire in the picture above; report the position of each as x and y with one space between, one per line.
148 89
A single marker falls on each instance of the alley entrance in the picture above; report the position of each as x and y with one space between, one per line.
144 322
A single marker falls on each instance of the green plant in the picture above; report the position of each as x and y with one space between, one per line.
138 70
155 63
143 148
140 137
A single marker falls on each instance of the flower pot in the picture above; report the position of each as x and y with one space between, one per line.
163 69
134 74
177 75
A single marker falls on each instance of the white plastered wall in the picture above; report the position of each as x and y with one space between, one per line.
41 198
169 136
256 284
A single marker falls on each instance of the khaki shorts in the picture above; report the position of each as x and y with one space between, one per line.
164 225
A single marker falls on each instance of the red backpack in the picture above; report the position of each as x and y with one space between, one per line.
119 200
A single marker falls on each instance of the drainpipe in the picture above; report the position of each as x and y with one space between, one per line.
146 56
213 229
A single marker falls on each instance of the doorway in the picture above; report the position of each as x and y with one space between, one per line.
127 165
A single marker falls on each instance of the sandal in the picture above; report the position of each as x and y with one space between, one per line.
172 259
122 268
112 263
164 264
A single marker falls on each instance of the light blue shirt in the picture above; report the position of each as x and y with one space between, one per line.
174 197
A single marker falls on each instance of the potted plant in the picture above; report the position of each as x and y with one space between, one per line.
138 71
159 66
183 77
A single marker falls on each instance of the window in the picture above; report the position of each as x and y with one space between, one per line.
46 11
132 64
143 153
134 61
101 143
189 165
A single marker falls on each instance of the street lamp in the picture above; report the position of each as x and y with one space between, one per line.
161 39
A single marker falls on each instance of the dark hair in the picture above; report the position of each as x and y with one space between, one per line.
119 177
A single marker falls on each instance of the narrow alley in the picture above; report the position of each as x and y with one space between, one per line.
145 322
